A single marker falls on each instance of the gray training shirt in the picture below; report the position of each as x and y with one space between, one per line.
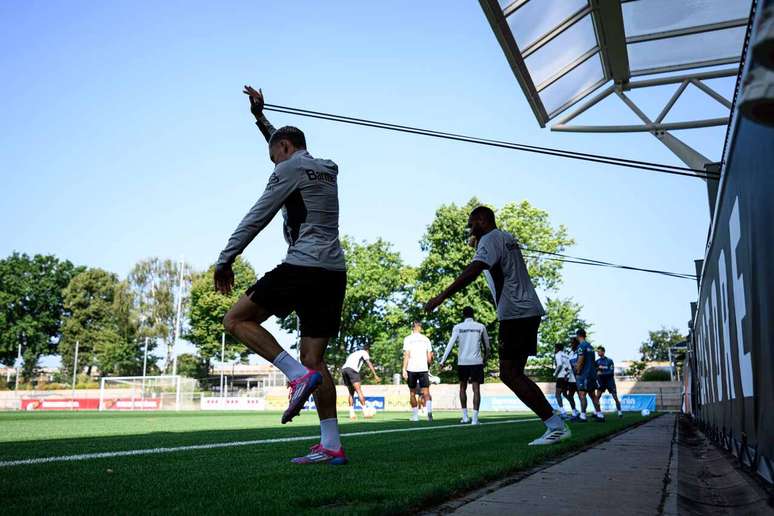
306 190
507 276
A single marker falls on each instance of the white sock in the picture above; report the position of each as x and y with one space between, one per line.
561 410
429 406
465 414
599 414
351 411
554 422
475 416
329 434
620 413
574 413
583 415
416 411
290 366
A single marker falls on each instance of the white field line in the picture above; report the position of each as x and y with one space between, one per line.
232 444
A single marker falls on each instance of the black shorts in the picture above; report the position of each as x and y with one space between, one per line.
314 293
562 384
606 383
518 339
471 373
418 380
350 377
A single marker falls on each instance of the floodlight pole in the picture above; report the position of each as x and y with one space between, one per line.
177 317
222 359
75 376
18 364
144 369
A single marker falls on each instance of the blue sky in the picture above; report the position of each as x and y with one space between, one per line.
124 135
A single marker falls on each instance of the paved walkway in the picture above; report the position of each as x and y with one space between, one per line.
624 475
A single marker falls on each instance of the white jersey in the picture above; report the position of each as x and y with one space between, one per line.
470 335
563 367
418 346
357 359
507 276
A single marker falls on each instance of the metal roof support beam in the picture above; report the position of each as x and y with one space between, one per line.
566 24
671 102
730 24
714 74
608 21
712 93
504 36
688 66
679 148
586 105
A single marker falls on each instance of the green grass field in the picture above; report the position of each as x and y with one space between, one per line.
389 472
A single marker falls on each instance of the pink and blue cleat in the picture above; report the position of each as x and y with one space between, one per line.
300 390
319 455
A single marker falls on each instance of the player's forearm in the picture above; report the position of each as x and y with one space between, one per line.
467 277
579 365
265 126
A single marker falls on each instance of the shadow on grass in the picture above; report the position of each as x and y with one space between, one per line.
266 428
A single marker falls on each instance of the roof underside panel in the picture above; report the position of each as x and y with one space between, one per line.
563 50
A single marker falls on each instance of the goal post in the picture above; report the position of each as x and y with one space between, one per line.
165 392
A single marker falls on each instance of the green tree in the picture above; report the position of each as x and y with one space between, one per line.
656 348
448 253
102 321
207 309
31 306
191 366
378 289
154 285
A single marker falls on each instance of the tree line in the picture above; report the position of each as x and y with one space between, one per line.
47 304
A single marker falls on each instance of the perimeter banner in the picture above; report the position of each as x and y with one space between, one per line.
629 403
732 364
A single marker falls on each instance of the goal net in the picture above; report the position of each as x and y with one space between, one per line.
168 392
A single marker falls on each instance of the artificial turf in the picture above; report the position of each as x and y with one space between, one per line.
388 473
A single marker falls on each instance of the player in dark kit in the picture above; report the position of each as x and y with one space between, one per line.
310 281
586 377
519 311
606 378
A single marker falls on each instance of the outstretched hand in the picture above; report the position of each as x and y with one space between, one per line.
256 100
224 279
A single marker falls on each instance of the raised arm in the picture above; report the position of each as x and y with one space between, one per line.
467 277
256 108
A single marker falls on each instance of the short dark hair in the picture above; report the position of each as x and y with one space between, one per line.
416 323
580 333
292 134
485 212
467 311
600 348
558 346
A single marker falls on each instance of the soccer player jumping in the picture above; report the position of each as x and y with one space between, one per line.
470 362
518 309
311 280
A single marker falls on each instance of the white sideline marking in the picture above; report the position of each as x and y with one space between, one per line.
152 451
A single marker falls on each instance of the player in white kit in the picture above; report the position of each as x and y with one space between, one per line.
417 356
471 335
350 373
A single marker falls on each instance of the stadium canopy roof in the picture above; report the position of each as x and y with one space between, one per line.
562 51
